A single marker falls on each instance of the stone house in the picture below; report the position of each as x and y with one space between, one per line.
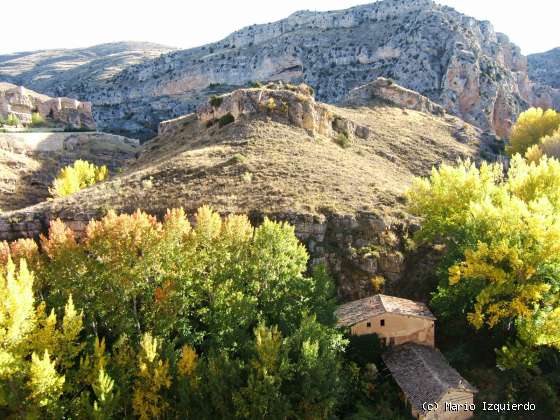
431 387
395 320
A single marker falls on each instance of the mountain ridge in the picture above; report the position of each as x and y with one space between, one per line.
455 60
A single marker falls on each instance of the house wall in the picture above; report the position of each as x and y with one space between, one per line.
401 328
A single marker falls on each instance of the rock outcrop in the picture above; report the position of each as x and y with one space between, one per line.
544 68
454 60
62 112
336 173
387 90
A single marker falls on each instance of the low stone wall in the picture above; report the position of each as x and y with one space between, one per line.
62 141
176 123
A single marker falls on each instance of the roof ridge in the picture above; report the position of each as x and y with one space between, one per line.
444 385
381 295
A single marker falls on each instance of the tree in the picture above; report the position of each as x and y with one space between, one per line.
531 126
548 145
37 353
37 120
76 177
13 120
210 321
503 240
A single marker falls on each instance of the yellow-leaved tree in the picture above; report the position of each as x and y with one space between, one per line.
503 240
548 145
531 126
76 177
34 347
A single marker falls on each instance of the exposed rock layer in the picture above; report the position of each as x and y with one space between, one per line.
452 59
22 103
278 154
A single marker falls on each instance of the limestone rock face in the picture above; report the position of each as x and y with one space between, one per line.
452 59
65 112
545 68
387 90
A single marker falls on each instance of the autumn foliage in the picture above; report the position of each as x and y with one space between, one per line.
502 234
76 177
530 130
161 319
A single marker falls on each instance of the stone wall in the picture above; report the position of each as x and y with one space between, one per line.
64 141
22 103
356 248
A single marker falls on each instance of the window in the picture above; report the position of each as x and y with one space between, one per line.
382 322
368 324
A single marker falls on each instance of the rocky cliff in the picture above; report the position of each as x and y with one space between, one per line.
452 59
545 68
336 173
62 112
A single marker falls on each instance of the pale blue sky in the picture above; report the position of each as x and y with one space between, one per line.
41 24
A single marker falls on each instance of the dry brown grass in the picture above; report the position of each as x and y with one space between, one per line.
292 171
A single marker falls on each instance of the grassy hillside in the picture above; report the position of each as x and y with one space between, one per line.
262 162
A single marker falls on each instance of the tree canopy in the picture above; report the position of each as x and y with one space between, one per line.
152 319
502 233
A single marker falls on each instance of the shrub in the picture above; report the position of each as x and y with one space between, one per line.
342 140
247 177
226 119
76 177
216 101
534 153
236 159
13 120
37 120
270 104
531 126
550 145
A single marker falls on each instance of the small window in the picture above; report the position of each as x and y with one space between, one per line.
368 324
382 322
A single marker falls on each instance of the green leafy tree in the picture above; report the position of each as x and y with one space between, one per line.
503 240
182 311
37 120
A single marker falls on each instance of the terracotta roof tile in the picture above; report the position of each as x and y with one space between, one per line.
359 310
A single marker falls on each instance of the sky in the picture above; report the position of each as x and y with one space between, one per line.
186 23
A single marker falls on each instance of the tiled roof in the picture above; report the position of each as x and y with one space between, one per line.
359 310
423 374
